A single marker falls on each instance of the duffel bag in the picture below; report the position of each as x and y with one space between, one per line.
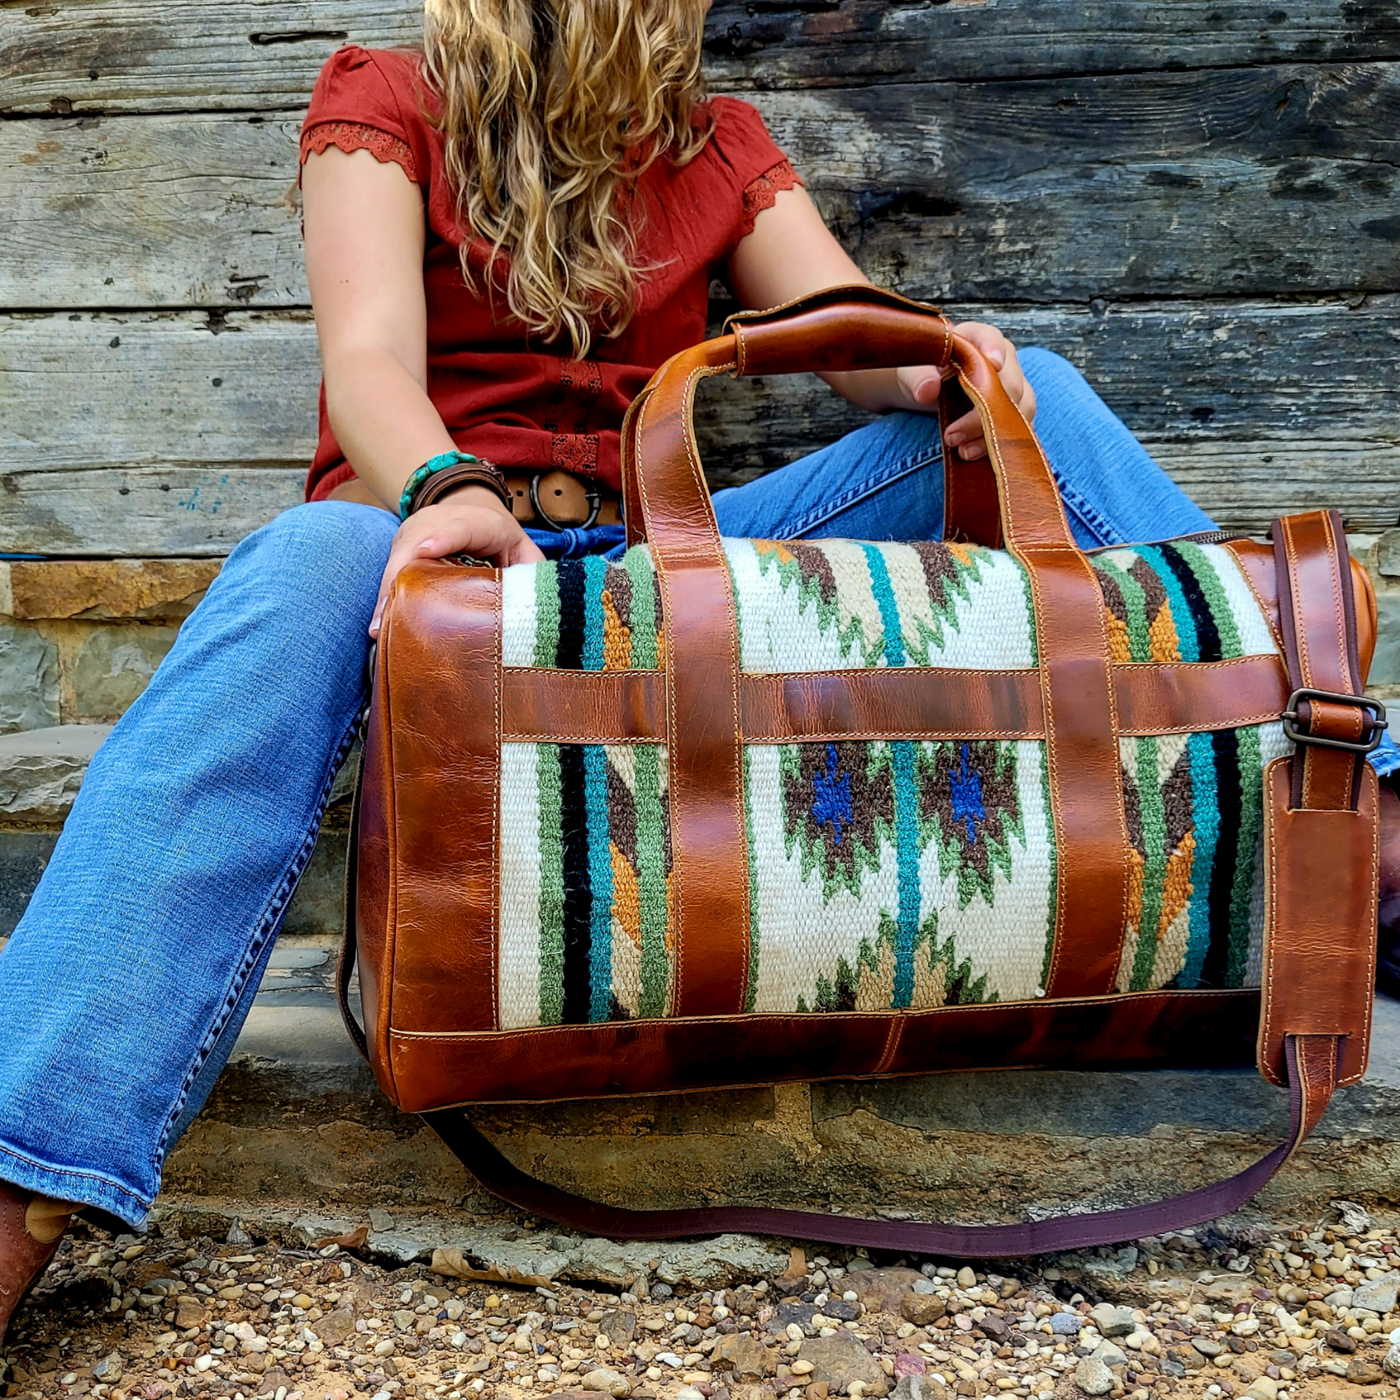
731 812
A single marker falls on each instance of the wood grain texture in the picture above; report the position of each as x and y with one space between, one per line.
195 210
141 55
1251 182
261 55
838 42
190 430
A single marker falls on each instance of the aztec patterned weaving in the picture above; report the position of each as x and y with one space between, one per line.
884 875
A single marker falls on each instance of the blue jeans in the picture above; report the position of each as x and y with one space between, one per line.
124 986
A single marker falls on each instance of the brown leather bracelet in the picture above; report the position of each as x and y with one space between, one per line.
480 473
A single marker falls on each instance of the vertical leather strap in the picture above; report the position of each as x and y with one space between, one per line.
1081 724
1321 819
709 844
1318 616
971 510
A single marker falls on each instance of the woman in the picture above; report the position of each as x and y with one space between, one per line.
602 192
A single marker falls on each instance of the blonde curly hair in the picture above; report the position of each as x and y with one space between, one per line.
551 108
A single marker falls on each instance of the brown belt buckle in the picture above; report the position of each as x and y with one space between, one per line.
590 494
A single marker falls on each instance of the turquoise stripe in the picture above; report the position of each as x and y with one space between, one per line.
889 610
1205 811
595 569
1181 610
600 881
906 791
906 821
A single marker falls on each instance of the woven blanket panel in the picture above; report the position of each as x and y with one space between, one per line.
1196 877
882 875
585 884
1180 602
895 875
826 605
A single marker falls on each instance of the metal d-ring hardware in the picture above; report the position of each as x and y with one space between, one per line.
591 495
1364 702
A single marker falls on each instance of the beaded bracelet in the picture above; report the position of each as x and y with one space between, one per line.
482 472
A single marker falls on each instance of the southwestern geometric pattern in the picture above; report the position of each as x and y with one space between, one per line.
883 874
1194 802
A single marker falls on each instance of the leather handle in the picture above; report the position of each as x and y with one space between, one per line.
854 327
668 503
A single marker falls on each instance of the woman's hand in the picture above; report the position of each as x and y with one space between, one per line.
920 385
471 520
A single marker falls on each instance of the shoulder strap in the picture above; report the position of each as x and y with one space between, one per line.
1312 1067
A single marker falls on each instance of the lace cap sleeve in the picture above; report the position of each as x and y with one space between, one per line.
357 106
357 136
758 167
762 192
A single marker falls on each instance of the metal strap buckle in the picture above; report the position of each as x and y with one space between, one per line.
1300 736
591 495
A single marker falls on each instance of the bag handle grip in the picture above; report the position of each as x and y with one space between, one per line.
852 327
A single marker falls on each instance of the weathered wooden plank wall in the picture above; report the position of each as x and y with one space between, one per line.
1195 203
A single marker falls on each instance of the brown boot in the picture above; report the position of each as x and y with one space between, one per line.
31 1228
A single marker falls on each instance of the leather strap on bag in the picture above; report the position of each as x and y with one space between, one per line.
1321 826
1311 1068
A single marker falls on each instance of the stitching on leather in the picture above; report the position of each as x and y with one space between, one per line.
592 676
732 638
749 1017
1290 553
892 1038
1335 555
1270 918
497 632
1300 639
385 1020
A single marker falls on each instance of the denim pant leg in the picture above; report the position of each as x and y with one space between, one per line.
124 985
1114 493
884 481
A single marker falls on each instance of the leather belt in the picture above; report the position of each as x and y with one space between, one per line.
559 500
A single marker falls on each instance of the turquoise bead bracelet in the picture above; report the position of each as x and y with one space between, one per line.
431 467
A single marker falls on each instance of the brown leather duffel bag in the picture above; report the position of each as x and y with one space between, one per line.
736 812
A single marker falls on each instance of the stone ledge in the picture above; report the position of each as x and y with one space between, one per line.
41 770
297 1114
163 590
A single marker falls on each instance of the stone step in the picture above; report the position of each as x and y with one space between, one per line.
297 1115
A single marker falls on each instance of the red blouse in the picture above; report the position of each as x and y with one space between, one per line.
502 395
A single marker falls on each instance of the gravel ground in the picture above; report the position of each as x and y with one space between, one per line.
1263 1313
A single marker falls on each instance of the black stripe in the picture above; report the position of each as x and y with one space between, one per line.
571 595
1207 634
1225 746
578 893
